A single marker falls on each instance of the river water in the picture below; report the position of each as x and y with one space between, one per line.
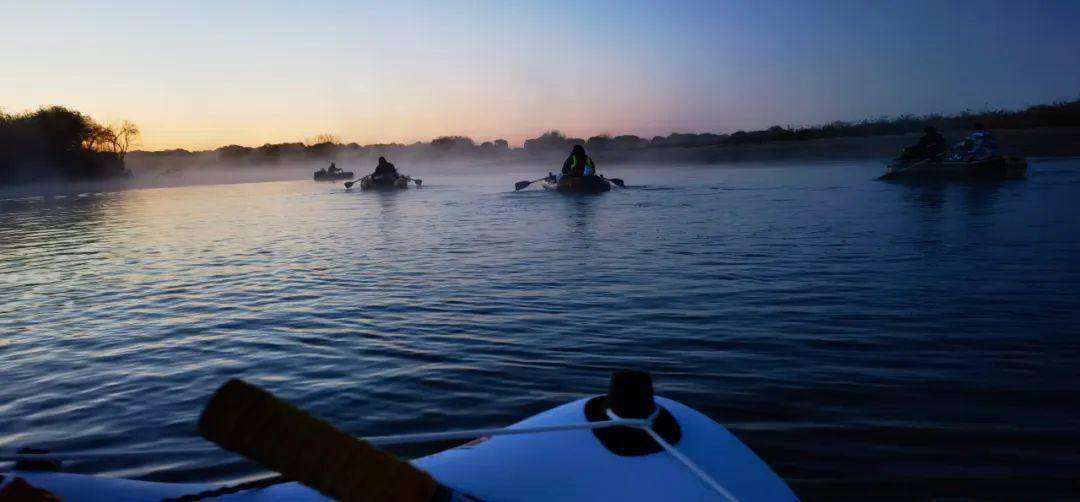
867 339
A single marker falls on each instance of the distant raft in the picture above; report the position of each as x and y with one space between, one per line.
1002 168
578 184
323 175
383 182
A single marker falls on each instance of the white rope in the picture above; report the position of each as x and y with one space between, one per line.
474 433
422 437
702 475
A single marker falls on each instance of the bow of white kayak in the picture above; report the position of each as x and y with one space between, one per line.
574 465
668 452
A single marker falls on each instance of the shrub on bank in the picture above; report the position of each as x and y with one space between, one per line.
57 143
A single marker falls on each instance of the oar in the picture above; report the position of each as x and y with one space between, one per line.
414 180
902 169
349 184
250 421
618 182
522 184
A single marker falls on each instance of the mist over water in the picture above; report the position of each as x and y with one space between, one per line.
864 338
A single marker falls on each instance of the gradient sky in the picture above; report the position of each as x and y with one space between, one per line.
204 74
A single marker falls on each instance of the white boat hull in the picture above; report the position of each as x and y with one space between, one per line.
565 465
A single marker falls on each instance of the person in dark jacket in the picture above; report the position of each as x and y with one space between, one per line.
578 163
385 170
931 145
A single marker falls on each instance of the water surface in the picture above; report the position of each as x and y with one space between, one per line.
865 338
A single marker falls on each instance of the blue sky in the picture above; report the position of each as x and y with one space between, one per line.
205 74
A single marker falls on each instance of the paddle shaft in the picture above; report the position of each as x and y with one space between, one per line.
905 168
254 423
523 184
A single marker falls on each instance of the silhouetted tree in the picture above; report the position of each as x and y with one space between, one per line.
322 138
598 143
56 142
447 143
234 151
627 142
550 141
118 139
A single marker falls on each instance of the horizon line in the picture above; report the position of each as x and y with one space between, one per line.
884 118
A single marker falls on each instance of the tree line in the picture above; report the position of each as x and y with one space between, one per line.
57 143
1059 114
328 147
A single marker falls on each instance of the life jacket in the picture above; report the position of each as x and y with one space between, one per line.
574 165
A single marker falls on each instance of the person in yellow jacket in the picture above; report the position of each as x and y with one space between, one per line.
578 163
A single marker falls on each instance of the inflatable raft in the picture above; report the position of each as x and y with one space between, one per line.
571 452
992 168
323 175
578 184
371 183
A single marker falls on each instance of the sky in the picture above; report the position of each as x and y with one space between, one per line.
203 74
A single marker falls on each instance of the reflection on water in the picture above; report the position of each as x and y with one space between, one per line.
577 220
863 337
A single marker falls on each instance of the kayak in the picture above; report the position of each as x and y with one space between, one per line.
322 175
992 168
548 456
578 184
370 183
574 465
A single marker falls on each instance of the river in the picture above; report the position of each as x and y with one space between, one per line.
867 339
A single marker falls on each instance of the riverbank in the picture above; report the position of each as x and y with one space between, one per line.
158 170
1037 142
1034 142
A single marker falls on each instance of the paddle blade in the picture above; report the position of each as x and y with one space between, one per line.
521 184
349 184
418 182
619 183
